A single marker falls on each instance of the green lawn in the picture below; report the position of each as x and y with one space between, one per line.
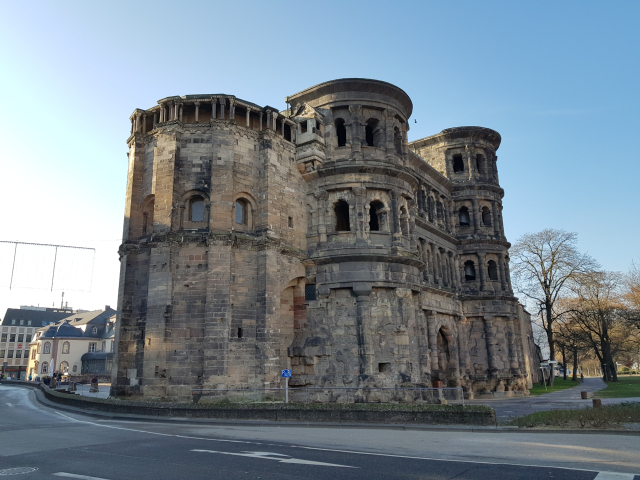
626 386
558 384
606 417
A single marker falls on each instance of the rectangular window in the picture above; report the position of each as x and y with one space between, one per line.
33 354
20 337
12 337
3 338
92 347
10 354
13 321
18 353
21 322
29 337
26 353
104 346
290 222
1 353
29 322
310 292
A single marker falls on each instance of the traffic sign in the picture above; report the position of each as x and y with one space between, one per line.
286 373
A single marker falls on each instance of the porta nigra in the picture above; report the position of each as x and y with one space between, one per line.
317 239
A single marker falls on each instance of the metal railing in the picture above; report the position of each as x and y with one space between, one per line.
331 395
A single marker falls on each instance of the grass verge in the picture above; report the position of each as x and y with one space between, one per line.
606 417
626 386
558 384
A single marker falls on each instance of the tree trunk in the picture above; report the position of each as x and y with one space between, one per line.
574 378
564 363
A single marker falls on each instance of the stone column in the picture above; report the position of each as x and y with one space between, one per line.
489 335
223 102
137 124
363 323
465 357
197 104
395 217
232 109
421 334
283 123
408 351
452 271
260 121
481 270
513 354
444 267
456 260
507 272
496 219
434 268
268 119
248 117
144 124
214 104
176 110
155 118
356 127
433 341
274 116
388 134
503 277
180 112
476 216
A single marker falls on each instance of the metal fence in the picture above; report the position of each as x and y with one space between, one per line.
331 395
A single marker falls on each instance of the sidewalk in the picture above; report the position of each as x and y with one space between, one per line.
560 400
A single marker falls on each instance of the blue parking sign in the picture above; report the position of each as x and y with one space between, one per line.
286 373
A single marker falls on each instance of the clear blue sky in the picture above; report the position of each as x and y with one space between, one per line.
558 80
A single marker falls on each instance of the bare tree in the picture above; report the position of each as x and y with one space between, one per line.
600 314
544 266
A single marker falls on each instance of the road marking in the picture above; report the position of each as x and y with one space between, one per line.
73 475
614 476
355 452
278 457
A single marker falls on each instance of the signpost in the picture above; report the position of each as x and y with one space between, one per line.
286 374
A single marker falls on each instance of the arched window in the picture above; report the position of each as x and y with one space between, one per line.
486 216
458 164
375 222
463 214
64 367
372 132
45 367
397 140
242 211
341 209
47 348
94 330
65 347
479 162
493 270
431 209
469 271
147 217
444 354
341 132
196 209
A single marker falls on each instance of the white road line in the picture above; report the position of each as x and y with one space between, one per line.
276 456
614 476
355 452
73 475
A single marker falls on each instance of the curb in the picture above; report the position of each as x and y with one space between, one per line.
40 398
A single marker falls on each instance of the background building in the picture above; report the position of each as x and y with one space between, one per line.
317 239
16 332
60 347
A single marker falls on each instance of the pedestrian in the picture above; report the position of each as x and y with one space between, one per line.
29 377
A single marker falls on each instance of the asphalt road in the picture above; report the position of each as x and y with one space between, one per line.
59 444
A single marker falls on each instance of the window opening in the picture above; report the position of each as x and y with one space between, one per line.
196 213
384 367
374 216
310 291
479 160
242 214
290 222
341 209
47 347
239 332
287 132
341 132
65 347
493 270
463 214
458 164
303 126
469 271
486 216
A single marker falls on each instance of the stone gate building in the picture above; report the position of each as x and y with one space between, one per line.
318 239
